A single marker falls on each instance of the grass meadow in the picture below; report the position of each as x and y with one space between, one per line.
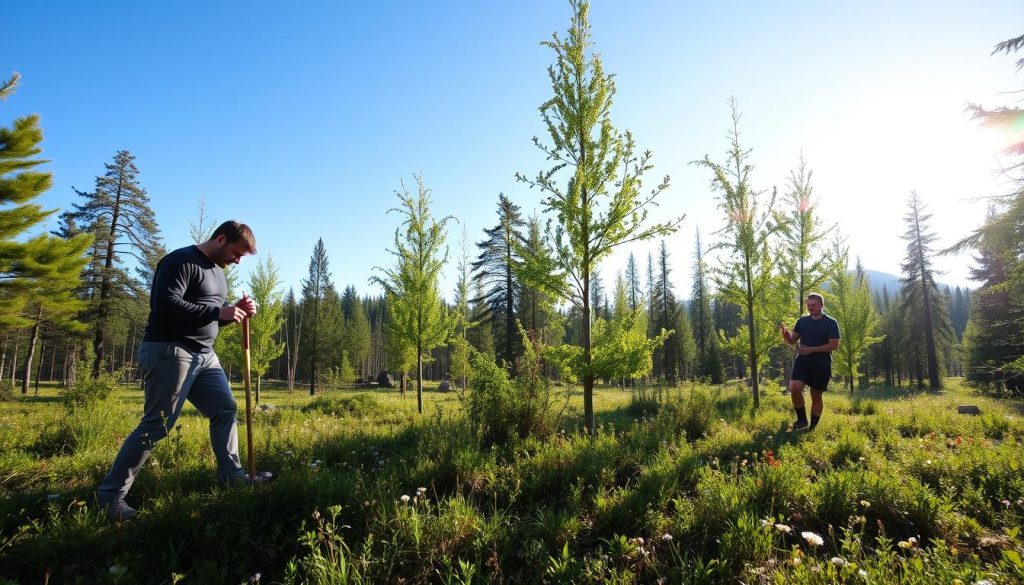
680 485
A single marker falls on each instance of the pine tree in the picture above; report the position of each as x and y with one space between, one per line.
495 269
747 277
41 264
602 166
634 293
663 318
314 298
118 212
705 335
419 316
921 296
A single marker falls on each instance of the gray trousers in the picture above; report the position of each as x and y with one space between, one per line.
170 375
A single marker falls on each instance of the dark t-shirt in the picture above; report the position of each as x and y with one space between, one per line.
184 305
817 332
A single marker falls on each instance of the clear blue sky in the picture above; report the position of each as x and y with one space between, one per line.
301 119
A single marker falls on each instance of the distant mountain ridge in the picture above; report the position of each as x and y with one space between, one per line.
891 282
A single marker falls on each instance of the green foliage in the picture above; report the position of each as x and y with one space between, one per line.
6 390
851 306
748 277
601 204
501 409
39 268
357 405
418 317
265 285
86 390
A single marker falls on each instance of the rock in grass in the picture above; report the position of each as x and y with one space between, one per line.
968 409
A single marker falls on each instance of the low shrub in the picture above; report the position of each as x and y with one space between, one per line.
358 406
6 390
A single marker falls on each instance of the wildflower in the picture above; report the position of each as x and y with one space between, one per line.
795 561
927 461
255 578
985 582
1006 503
905 544
838 561
421 490
765 522
912 540
666 537
783 528
865 503
405 499
812 538
863 573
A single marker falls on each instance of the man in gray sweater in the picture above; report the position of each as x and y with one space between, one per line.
187 307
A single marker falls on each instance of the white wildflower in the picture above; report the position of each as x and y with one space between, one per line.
783 528
405 499
812 538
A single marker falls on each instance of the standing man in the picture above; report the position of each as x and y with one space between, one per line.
818 336
187 307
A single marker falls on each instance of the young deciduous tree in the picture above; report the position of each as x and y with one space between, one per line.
806 261
264 284
851 305
601 203
419 316
747 277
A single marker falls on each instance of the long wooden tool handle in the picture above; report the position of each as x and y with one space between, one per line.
248 394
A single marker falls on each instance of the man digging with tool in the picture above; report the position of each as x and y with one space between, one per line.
187 306
818 335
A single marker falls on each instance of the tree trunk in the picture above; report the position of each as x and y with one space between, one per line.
14 358
26 376
39 368
419 379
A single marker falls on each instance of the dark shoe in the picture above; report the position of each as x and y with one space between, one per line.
118 510
243 478
800 425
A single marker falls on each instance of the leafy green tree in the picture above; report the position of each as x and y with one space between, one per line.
705 336
356 337
118 212
600 205
851 305
747 277
806 261
419 316
928 317
37 265
265 285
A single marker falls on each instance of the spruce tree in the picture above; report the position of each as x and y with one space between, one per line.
705 335
806 261
600 204
495 269
117 211
928 318
633 290
314 298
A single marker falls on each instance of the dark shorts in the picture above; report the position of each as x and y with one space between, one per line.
815 375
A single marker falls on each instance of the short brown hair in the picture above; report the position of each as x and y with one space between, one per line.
234 231
817 296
